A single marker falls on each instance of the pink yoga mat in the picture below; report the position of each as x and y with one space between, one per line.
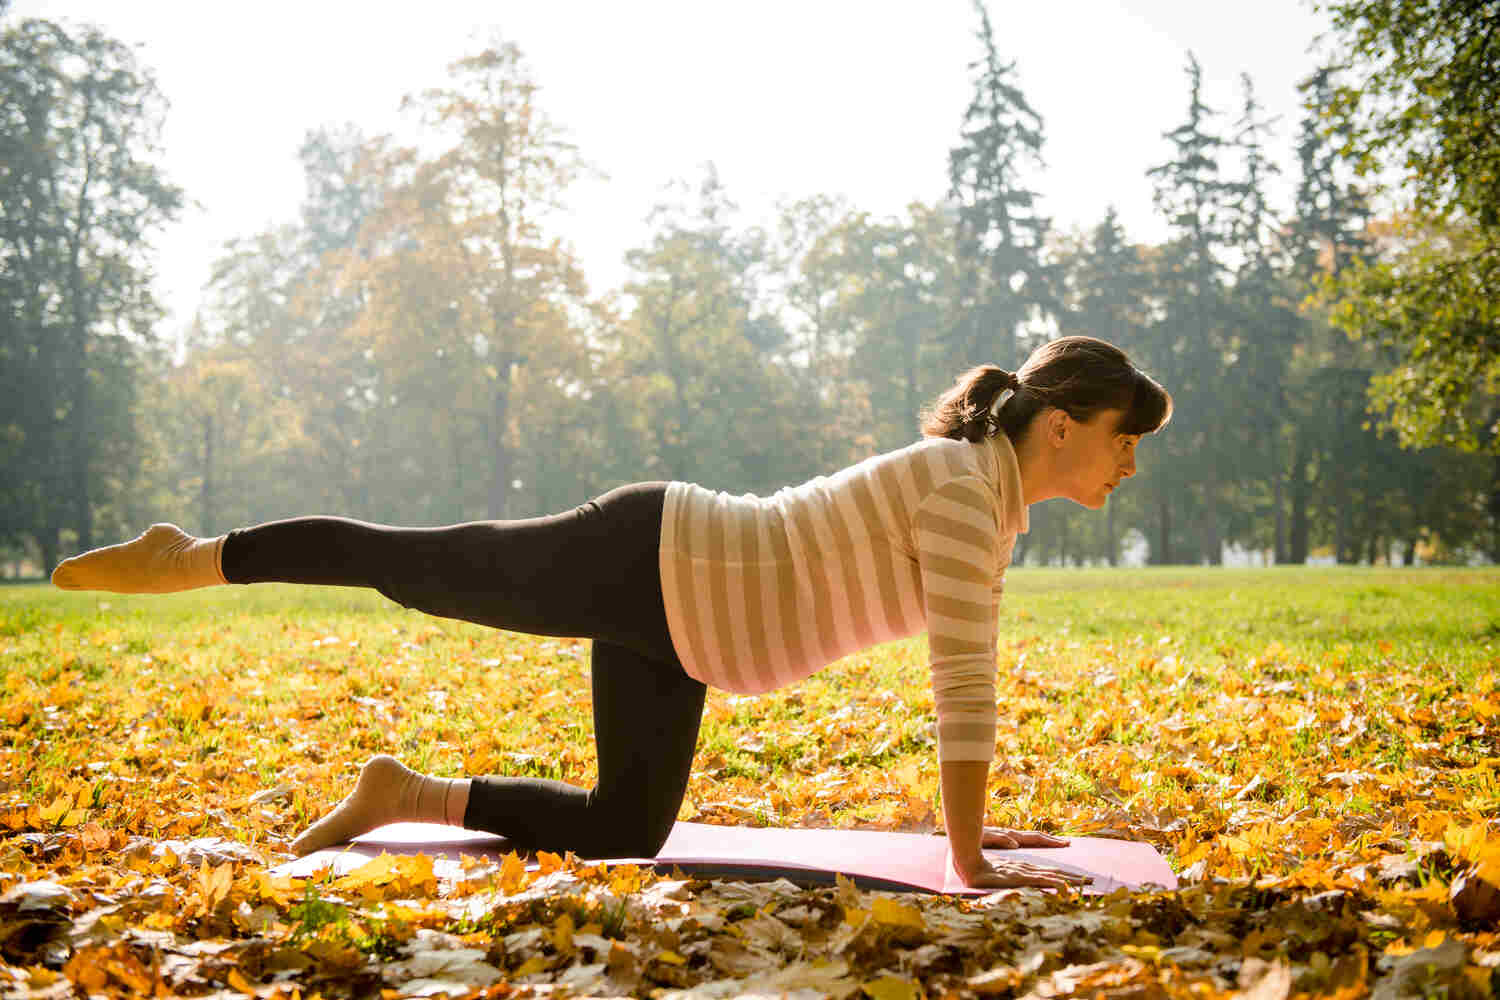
873 859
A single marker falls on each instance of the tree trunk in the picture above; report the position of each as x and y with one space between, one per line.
1297 539
47 542
207 495
457 505
913 403
1112 552
1277 503
47 517
79 422
1494 508
500 475
1409 555
1341 552
1162 555
1214 537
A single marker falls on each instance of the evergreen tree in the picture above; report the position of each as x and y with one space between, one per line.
1107 295
1324 396
1005 285
1261 339
1187 343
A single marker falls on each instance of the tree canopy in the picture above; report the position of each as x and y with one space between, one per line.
1418 109
415 344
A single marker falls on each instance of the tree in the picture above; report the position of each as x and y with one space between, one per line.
216 445
701 358
1420 105
1186 344
817 266
1261 338
80 196
1005 284
1107 294
901 286
514 288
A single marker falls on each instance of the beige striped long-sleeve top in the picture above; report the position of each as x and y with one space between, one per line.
761 592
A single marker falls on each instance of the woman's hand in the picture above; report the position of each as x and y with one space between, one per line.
981 873
1011 839
1005 874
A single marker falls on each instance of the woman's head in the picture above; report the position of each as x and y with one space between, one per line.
1069 381
1081 376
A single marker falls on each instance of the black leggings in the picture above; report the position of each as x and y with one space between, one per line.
588 572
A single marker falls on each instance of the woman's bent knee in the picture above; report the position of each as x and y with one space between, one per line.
628 830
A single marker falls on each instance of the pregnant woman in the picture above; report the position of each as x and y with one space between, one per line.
680 587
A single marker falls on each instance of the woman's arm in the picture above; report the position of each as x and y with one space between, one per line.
964 784
959 555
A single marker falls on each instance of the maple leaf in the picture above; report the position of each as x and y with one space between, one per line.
213 884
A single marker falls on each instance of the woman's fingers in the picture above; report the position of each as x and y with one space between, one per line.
1004 875
1006 839
1029 838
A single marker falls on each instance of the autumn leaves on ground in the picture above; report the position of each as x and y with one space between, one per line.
1315 751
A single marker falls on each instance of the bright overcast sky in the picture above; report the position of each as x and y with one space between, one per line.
789 98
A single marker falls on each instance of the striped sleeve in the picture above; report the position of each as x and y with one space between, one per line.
958 554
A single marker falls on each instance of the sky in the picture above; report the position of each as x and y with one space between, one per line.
787 98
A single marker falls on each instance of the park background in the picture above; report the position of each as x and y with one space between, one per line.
1314 750
414 337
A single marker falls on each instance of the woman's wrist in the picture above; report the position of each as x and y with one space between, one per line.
968 865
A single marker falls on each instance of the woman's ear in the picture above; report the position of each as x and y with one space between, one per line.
1057 427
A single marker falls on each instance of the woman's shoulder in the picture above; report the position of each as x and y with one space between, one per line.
944 458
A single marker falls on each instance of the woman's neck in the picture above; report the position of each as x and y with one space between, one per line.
1038 472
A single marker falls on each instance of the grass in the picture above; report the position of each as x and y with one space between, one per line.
1195 677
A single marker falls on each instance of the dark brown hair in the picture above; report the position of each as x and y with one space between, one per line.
1079 375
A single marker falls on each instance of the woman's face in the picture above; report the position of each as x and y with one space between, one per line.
1096 457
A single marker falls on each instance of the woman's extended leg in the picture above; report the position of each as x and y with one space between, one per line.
588 572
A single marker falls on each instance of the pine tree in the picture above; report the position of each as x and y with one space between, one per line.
1005 284
1325 234
1262 338
1107 295
1187 342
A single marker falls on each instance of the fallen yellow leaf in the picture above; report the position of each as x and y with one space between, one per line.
890 988
887 911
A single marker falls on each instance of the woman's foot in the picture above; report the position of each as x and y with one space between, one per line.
387 792
162 560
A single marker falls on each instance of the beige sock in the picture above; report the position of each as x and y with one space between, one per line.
387 792
162 560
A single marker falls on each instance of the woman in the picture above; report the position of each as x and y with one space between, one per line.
680 587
